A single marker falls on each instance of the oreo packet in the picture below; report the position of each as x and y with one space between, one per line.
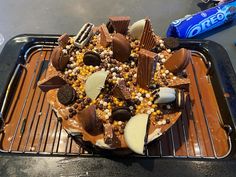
193 25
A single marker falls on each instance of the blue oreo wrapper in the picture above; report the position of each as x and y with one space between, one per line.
203 21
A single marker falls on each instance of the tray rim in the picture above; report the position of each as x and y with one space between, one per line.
25 40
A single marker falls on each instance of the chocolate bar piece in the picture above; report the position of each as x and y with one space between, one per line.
110 137
121 91
51 82
105 36
83 36
146 67
120 23
63 40
89 120
121 47
148 39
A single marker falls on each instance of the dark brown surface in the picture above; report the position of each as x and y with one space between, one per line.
44 134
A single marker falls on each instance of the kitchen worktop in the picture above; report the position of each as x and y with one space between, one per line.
59 16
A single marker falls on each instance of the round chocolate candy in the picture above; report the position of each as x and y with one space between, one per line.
121 113
66 94
92 58
171 43
59 59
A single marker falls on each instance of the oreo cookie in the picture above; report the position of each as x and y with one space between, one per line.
92 58
171 43
121 113
66 94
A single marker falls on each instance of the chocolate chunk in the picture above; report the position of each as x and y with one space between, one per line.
110 27
171 43
84 35
59 59
121 91
121 113
51 82
89 120
121 48
120 23
105 38
146 68
178 61
66 94
110 137
181 83
148 40
92 58
63 40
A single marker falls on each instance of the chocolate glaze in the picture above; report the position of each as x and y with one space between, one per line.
44 121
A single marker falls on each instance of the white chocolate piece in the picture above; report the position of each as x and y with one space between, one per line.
95 83
136 30
135 132
166 95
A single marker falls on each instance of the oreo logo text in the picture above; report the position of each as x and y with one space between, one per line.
206 24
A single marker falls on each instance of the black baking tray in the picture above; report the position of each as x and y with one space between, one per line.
223 79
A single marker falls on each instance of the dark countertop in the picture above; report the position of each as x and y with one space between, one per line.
57 17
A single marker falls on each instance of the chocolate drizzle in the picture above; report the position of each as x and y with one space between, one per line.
146 68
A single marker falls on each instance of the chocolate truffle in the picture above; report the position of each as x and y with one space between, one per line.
59 59
178 61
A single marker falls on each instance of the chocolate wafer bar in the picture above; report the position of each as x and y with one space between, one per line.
148 39
146 67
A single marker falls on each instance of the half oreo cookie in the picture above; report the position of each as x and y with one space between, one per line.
66 94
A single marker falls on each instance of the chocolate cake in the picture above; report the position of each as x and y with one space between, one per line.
117 86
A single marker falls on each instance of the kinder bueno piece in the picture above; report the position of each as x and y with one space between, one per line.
203 21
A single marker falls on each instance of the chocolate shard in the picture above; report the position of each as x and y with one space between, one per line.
148 40
59 59
121 91
51 82
110 137
84 35
121 47
120 23
105 39
178 61
146 68
89 120
180 83
63 40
